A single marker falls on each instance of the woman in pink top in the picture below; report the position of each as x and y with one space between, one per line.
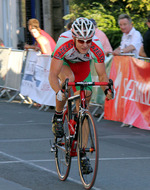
44 42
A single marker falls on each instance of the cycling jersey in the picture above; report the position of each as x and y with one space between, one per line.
66 50
79 63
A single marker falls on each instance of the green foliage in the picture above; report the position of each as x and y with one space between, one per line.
106 15
114 36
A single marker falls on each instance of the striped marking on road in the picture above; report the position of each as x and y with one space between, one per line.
74 159
30 162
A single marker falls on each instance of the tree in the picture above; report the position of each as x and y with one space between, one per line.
106 14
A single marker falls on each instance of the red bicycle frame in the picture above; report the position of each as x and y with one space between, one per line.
71 123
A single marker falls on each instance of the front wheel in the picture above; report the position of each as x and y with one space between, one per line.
62 154
87 147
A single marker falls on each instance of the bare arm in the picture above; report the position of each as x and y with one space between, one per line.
27 46
142 52
55 69
44 44
101 71
35 47
116 51
128 49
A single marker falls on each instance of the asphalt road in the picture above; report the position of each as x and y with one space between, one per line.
26 162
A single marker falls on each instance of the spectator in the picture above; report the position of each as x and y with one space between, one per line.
145 48
131 40
44 42
103 38
1 43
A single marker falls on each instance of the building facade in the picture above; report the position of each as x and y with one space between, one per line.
14 15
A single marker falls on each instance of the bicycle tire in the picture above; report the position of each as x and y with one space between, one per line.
62 154
91 149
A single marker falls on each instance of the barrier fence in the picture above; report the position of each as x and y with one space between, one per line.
98 97
11 64
35 82
27 75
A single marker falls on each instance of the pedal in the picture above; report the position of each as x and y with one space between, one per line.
52 147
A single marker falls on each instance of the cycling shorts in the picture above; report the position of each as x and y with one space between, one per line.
81 71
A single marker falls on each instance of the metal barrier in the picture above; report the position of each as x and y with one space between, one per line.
17 68
11 64
98 97
147 59
35 85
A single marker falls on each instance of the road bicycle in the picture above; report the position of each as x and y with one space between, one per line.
80 135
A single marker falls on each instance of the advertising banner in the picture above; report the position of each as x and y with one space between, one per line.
35 83
131 105
28 78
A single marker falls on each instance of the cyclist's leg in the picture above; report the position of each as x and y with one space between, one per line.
88 93
66 72
57 126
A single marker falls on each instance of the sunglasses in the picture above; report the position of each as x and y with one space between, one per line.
86 41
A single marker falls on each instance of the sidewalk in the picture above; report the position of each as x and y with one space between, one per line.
9 185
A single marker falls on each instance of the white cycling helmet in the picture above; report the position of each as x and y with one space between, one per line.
83 28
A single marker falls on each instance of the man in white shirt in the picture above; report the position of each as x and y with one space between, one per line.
131 40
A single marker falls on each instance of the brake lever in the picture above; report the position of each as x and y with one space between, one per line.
65 87
111 89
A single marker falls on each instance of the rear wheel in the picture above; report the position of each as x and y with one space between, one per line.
88 146
62 154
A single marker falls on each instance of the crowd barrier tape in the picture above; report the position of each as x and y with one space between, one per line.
35 83
132 84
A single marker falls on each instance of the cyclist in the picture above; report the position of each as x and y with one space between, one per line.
74 51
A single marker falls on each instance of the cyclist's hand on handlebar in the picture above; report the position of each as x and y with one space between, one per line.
110 92
110 95
60 95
